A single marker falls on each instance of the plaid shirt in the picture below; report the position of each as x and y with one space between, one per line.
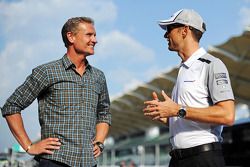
69 107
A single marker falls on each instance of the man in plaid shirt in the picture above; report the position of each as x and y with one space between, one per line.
73 103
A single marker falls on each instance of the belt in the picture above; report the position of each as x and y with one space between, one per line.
187 152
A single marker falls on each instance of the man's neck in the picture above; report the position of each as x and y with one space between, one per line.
79 60
188 51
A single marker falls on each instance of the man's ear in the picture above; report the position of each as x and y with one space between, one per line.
70 37
185 31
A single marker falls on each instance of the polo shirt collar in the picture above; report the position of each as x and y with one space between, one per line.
195 56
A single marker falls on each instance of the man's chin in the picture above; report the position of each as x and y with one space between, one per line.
92 52
89 53
171 49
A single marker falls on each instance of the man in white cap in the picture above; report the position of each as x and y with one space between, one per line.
202 98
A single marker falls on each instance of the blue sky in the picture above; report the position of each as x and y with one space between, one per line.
131 48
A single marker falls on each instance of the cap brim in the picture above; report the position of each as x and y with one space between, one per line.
164 23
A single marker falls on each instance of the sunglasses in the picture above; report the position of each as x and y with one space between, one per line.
171 27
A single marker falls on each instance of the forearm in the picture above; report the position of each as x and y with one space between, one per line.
15 123
102 130
222 113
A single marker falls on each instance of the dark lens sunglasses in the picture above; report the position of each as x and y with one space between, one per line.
171 27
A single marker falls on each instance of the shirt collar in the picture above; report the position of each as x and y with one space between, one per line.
196 55
66 62
69 64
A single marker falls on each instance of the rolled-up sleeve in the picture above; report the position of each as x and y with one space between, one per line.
25 94
103 108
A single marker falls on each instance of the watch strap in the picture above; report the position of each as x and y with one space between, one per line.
100 145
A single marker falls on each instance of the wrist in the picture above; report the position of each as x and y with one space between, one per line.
28 148
182 112
176 110
100 145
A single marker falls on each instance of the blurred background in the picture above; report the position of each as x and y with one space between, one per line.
133 54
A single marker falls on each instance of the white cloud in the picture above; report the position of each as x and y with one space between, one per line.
23 14
125 61
245 16
122 80
242 111
120 46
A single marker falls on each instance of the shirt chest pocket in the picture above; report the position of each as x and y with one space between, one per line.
90 93
71 94
66 94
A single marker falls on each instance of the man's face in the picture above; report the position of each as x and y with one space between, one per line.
173 36
85 39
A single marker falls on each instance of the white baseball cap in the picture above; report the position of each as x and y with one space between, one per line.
186 17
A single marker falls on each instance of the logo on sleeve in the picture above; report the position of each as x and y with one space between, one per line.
220 75
222 82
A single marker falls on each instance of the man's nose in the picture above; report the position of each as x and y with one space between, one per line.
166 35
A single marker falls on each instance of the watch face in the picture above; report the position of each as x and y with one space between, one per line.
182 113
101 146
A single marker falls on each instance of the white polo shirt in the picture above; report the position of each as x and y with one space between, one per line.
202 81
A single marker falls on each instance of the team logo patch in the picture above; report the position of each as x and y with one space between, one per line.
222 82
220 75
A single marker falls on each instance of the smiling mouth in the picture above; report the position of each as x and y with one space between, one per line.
91 45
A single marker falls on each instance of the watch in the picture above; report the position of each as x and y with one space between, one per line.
182 112
100 145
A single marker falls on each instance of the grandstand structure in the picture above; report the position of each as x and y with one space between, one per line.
129 139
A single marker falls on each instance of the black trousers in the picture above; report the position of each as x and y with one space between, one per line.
213 158
50 163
